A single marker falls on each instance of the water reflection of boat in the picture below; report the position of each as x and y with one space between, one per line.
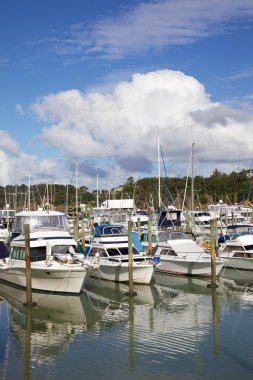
146 294
185 283
243 278
48 329
50 306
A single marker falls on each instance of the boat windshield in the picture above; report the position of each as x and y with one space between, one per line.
175 235
41 222
110 230
120 251
240 230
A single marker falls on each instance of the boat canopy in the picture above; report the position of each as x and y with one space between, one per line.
170 218
106 229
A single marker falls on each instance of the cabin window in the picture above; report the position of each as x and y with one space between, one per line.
113 252
178 235
231 248
18 253
95 250
241 254
124 251
38 253
144 238
168 252
248 247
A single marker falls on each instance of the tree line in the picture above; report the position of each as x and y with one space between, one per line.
230 188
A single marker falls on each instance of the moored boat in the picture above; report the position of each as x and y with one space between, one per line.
109 249
56 265
179 254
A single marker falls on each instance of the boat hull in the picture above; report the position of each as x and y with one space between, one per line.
51 279
185 267
238 263
119 272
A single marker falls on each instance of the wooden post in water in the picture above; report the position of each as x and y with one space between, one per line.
149 238
213 256
216 237
28 268
130 261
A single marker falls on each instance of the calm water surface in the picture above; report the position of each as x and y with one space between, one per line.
177 328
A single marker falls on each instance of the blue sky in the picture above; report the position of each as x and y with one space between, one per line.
96 82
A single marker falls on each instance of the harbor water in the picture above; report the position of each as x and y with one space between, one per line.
175 328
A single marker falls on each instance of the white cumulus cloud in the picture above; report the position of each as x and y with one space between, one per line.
124 124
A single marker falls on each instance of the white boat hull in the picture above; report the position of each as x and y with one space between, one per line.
238 262
119 272
51 279
182 266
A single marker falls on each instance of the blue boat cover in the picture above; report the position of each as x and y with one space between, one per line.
136 242
4 252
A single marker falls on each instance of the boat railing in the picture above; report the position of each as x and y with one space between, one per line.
184 256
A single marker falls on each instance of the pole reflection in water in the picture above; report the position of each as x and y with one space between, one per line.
28 342
131 333
215 321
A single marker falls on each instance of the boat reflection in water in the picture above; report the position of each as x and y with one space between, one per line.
117 292
43 333
238 283
63 336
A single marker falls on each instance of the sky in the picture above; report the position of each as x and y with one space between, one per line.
87 86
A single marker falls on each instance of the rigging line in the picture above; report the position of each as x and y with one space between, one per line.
74 171
166 178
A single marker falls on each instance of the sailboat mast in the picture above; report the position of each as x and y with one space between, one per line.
159 173
76 188
193 146
29 194
97 192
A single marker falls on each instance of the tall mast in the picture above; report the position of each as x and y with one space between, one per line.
29 194
97 192
193 146
67 199
159 173
76 188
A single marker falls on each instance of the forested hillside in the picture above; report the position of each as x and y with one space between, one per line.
231 188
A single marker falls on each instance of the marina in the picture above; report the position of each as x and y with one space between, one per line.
176 328
126 190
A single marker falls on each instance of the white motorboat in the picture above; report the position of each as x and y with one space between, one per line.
179 254
56 265
237 248
109 249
